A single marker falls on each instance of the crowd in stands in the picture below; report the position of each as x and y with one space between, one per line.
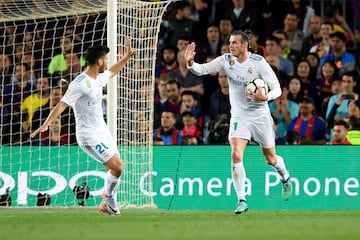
316 59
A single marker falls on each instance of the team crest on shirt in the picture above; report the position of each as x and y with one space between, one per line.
232 62
88 84
250 70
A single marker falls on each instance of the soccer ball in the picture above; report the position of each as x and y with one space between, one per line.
252 88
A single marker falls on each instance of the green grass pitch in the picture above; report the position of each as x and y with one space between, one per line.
86 224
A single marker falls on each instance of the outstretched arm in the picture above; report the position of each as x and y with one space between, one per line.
213 66
114 69
58 109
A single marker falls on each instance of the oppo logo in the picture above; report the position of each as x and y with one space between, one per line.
23 179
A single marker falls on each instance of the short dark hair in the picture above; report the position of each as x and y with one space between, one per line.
342 122
189 93
94 53
244 36
173 114
172 81
273 39
292 137
354 122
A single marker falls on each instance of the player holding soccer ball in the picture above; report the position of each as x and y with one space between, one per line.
250 114
93 136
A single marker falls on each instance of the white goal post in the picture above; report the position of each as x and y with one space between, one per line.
32 34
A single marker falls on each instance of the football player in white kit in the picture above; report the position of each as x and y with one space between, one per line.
84 94
250 114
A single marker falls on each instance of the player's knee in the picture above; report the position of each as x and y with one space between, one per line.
116 166
119 168
236 156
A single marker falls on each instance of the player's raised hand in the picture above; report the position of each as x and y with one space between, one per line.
129 50
190 54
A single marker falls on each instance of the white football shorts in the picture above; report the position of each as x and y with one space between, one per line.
260 130
99 145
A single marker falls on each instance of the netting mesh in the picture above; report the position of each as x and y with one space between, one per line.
32 34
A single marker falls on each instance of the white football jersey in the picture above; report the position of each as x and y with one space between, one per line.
238 74
84 94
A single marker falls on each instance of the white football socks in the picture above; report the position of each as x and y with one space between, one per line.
281 169
111 184
239 177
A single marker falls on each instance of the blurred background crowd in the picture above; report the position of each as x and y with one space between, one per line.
313 47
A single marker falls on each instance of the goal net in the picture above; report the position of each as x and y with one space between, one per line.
43 47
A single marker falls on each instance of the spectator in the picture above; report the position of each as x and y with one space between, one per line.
338 104
332 14
296 91
74 65
284 111
311 128
173 103
314 61
5 70
341 128
329 72
168 61
292 138
313 36
167 134
189 140
295 36
270 15
189 124
182 42
209 11
13 96
323 47
35 101
304 12
219 101
353 134
54 135
344 61
210 86
212 47
354 108
219 114
67 117
303 73
225 27
21 75
335 89
189 102
33 72
225 48
255 47
161 95
275 64
181 24
187 80
59 63
285 50
272 47
242 16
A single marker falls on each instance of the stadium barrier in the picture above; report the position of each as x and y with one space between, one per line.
188 177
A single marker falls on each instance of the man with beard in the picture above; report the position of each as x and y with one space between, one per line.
168 64
311 128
